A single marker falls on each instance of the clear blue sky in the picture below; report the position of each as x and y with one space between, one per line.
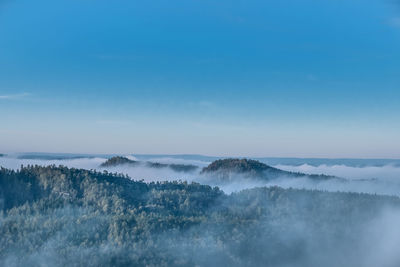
305 78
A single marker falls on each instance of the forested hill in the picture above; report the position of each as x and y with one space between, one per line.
56 216
118 161
239 166
227 169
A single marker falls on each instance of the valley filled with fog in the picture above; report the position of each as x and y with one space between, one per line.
166 210
362 176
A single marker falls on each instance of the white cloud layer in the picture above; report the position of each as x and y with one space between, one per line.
383 180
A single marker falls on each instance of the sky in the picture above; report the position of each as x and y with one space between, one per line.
301 78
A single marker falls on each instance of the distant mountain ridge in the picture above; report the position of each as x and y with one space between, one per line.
224 169
119 160
272 161
253 167
248 168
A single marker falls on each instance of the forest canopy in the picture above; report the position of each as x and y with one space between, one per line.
119 160
57 216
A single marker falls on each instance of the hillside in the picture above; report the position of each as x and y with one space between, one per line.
227 169
175 167
118 161
56 216
239 166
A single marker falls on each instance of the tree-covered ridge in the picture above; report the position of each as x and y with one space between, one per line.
57 216
247 168
33 183
238 166
118 160
175 167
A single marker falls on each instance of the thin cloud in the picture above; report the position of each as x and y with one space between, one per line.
14 96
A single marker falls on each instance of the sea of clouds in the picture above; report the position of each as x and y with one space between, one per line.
377 243
366 178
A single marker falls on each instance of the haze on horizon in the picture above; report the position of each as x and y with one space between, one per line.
232 78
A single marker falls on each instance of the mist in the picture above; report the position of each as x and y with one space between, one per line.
385 172
13 162
373 242
280 227
382 180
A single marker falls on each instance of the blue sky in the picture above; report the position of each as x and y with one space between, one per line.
302 78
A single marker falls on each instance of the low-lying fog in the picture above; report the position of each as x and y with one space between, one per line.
376 241
373 179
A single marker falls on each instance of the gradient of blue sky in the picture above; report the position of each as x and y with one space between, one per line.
306 78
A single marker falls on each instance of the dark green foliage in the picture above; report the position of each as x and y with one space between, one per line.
238 166
57 216
175 167
182 167
247 168
117 161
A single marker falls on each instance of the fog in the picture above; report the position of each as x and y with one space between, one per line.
387 172
374 243
383 180
362 241
12 162
381 240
